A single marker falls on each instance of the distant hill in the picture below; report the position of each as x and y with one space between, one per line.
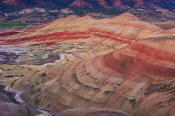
166 4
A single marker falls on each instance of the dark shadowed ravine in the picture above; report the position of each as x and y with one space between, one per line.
12 97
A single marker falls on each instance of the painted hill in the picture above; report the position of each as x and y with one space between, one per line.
121 63
123 28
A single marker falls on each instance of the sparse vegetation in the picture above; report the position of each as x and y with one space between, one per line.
13 24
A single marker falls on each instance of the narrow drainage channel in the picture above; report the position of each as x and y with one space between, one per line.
61 57
14 97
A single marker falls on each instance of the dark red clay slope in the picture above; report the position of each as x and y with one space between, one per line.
146 72
154 58
7 34
49 39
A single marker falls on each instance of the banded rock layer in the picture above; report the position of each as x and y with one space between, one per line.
123 28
